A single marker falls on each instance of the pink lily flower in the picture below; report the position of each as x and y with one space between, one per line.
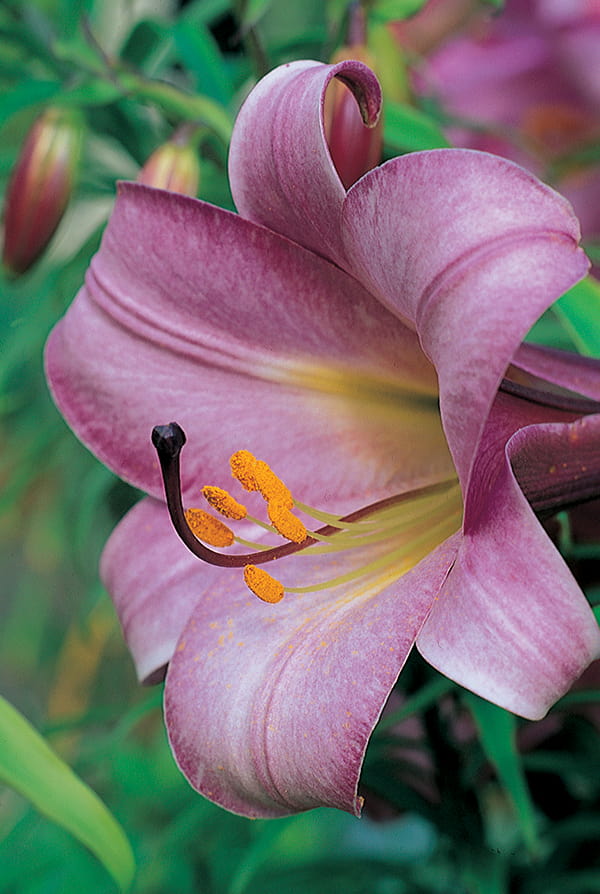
531 76
367 345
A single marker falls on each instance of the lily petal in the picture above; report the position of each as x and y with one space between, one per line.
309 370
280 169
269 711
481 249
510 622
572 371
154 583
558 464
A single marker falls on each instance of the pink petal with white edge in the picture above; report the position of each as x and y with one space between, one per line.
510 622
269 708
470 249
248 341
280 168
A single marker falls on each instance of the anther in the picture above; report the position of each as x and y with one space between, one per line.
255 474
224 503
262 584
242 467
285 522
270 486
169 439
208 528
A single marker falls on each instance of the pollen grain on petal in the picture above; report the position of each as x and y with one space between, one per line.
208 528
262 584
243 464
285 522
224 503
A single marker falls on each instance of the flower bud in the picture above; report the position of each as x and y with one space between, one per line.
40 186
354 147
173 166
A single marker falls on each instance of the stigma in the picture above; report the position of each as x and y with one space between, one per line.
389 537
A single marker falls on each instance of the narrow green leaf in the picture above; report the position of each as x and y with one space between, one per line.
30 766
407 129
148 46
254 11
496 728
174 102
29 93
200 54
392 10
579 312
95 92
420 701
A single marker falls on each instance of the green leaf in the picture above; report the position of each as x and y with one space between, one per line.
497 728
29 93
200 54
95 92
393 10
579 312
182 105
30 766
148 46
428 694
407 129
254 11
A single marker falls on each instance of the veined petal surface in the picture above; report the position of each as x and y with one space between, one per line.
470 249
280 169
154 582
248 341
549 365
510 622
269 709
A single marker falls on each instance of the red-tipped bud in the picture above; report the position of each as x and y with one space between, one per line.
40 186
173 166
355 148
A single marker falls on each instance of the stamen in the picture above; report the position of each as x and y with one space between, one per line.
262 584
169 440
224 503
208 528
272 487
242 465
285 522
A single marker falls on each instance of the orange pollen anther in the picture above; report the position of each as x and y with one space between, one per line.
208 528
242 467
254 474
224 503
262 584
285 522
270 486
